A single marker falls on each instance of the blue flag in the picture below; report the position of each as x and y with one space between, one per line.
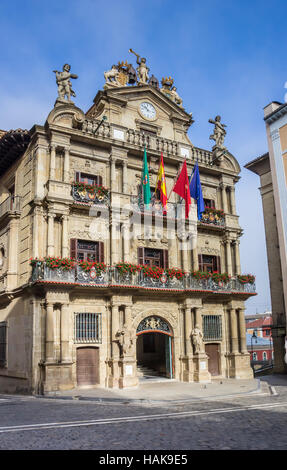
196 191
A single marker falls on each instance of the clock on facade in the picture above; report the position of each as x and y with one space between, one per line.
147 110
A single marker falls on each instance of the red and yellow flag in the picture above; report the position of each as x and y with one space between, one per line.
160 183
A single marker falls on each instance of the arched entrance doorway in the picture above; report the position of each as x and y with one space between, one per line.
155 348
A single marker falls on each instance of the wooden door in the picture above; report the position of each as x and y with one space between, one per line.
87 366
212 351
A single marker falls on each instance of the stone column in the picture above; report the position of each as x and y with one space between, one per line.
233 331
237 258
66 164
125 177
52 161
126 241
37 210
195 265
224 198
185 265
50 332
198 318
65 241
113 381
228 257
65 336
13 247
188 328
242 331
50 238
232 200
114 240
113 173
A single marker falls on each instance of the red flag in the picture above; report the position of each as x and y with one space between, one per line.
182 188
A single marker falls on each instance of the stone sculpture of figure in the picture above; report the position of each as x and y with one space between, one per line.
142 68
197 339
111 76
176 98
125 341
64 82
219 132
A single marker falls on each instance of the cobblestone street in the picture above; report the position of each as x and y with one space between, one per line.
245 422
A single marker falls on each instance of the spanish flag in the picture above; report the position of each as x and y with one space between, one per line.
160 183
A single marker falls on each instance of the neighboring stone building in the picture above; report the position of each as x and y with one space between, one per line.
272 169
70 189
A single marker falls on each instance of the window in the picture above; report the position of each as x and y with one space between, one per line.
3 344
254 356
264 356
267 332
209 263
88 179
2 257
209 203
85 250
88 328
153 257
212 327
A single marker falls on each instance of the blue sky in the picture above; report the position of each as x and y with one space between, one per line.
227 57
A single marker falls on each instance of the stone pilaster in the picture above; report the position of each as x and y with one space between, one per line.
232 200
237 257
66 353
65 240
50 237
66 164
50 333
125 177
52 162
224 198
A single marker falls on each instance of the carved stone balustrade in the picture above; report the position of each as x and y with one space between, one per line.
112 277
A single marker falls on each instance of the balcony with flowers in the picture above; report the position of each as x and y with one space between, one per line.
212 216
84 193
128 275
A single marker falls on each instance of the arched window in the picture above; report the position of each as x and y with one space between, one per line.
264 356
254 356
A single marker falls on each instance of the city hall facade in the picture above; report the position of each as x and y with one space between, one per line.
97 289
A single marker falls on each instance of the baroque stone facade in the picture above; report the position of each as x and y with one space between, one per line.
67 328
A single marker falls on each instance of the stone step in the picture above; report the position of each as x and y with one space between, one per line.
144 370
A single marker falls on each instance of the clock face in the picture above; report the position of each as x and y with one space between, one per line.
147 110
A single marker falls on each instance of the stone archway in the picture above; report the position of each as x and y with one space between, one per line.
155 354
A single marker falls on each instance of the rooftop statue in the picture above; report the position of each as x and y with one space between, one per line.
111 76
64 83
175 97
120 75
142 69
219 132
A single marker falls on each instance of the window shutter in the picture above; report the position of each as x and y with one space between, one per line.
73 248
165 259
99 180
200 262
77 176
212 205
101 252
140 255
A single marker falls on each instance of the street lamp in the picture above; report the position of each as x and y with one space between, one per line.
253 337
104 118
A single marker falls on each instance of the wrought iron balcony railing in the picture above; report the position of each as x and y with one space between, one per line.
112 277
85 196
212 218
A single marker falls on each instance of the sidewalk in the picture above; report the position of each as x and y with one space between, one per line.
165 391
